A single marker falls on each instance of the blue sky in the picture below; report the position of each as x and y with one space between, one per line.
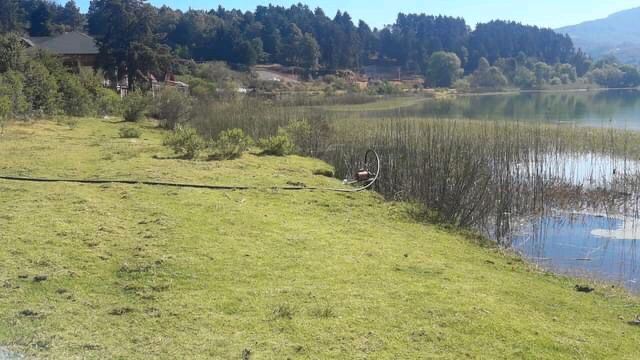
548 13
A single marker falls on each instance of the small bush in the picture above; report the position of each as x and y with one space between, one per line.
41 89
172 107
324 312
71 123
283 311
231 144
134 106
299 131
462 85
12 86
278 145
184 141
5 111
76 100
127 132
108 102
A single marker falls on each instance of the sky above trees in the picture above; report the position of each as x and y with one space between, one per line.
548 13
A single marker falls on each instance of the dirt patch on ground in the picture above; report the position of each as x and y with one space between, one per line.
8 355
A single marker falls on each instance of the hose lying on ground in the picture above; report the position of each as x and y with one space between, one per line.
366 185
183 185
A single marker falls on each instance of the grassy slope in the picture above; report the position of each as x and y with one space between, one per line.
140 272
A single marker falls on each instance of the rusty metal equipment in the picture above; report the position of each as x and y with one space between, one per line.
368 174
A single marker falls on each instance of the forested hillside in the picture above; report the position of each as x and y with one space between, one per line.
293 36
616 35
137 39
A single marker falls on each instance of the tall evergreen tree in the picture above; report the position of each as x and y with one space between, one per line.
40 20
10 16
71 17
125 32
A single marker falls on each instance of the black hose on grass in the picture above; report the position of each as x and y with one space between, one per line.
179 185
367 185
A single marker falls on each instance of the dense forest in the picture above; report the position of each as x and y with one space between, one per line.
137 38
292 36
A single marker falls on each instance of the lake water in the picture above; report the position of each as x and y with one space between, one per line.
616 108
606 248
584 245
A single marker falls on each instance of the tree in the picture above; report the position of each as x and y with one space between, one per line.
483 65
5 111
608 76
309 52
125 32
12 86
582 62
443 69
487 76
10 15
566 71
245 53
41 20
631 77
543 73
524 78
11 53
41 88
71 16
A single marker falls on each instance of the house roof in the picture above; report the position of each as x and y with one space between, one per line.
71 43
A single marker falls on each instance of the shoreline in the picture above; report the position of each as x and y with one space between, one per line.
542 91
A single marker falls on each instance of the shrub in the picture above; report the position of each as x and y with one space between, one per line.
231 144
172 107
462 85
127 132
12 86
134 106
12 54
5 111
278 145
185 141
41 88
310 136
76 100
384 88
71 123
108 102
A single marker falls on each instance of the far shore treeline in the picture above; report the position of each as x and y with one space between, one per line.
297 36
213 50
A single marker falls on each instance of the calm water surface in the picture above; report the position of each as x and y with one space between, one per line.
584 245
615 108
600 247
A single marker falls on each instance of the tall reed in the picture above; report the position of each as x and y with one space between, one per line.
480 174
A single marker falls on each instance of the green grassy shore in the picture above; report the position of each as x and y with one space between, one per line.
134 272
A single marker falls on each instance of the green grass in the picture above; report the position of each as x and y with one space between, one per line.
153 272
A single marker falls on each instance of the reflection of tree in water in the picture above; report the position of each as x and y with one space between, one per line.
592 108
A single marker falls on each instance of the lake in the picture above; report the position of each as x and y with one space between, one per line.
615 108
586 244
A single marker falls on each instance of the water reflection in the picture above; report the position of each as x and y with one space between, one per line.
584 245
615 108
585 169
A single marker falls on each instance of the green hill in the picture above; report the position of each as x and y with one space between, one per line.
118 271
616 35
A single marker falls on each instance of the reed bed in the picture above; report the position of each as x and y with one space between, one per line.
474 174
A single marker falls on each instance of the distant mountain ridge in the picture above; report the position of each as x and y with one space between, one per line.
617 34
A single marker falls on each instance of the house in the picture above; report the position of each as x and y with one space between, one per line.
75 48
